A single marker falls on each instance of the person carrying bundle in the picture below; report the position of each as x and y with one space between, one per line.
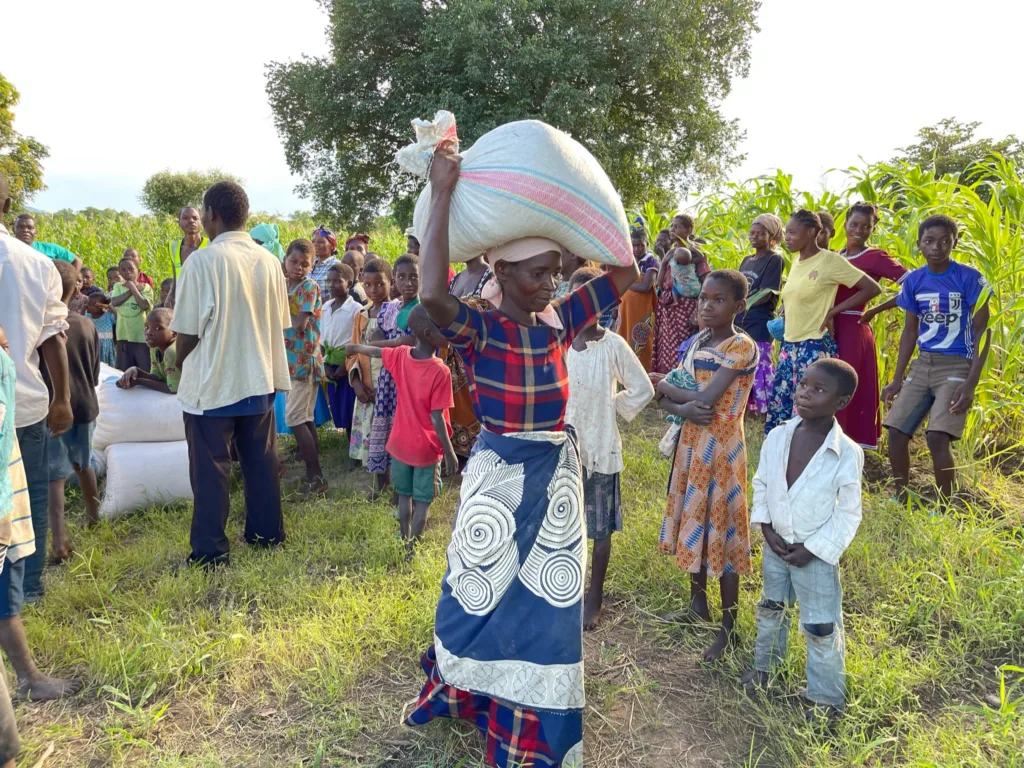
511 598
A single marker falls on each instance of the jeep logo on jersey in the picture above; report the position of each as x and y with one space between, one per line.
934 317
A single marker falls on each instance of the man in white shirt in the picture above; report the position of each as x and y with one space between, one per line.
230 314
32 316
807 499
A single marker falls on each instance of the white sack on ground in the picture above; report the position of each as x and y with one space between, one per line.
523 179
136 415
140 475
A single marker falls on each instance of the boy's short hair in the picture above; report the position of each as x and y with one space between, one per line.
68 277
115 268
168 281
377 266
939 220
229 201
127 260
357 256
828 221
419 322
841 372
83 270
582 276
807 218
99 297
344 270
301 244
686 219
163 314
406 259
737 281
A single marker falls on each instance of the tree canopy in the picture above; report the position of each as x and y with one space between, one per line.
169 191
950 147
21 157
638 82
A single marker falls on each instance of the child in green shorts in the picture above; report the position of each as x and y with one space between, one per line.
421 434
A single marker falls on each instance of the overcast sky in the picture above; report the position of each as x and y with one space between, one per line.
119 89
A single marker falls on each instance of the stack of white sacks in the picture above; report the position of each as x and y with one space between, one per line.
139 443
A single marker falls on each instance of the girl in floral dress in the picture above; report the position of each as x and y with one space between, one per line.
706 521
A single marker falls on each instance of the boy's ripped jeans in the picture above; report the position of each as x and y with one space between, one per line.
816 590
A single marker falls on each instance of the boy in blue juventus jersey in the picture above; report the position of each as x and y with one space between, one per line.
947 314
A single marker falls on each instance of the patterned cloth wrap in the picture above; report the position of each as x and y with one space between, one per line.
508 627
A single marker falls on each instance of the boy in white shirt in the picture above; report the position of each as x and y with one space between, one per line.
807 498
339 315
599 363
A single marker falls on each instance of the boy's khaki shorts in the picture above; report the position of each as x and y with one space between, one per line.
300 402
927 392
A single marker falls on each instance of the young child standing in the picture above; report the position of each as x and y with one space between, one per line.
705 525
947 313
165 290
136 257
132 300
102 316
164 374
393 324
599 363
363 371
337 322
421 434
71 452
636 312
113 278
807 500
355 261
305 360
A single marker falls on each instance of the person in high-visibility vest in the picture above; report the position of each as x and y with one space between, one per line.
175 252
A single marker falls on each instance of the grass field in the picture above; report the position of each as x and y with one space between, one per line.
307 655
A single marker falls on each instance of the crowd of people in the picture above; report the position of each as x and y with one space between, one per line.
516 367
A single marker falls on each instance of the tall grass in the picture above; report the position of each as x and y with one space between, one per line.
991 239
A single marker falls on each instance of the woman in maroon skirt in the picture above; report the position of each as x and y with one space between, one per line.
861 419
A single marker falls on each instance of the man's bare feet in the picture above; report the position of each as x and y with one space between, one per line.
44 688
725 638
592 612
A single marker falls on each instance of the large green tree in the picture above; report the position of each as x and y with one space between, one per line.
951 147
169 191
636 81
21 157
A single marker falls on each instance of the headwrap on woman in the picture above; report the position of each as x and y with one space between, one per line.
772 225
269 236
364 240
329 236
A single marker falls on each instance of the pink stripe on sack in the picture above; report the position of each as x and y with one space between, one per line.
564 203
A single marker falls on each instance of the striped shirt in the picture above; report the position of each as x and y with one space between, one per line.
517 373
14 499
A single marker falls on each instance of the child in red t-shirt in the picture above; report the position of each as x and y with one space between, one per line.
421 434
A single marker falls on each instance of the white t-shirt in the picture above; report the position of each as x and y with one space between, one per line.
336 322
232 295
31 312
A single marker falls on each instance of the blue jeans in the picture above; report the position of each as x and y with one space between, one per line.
817 590
34 440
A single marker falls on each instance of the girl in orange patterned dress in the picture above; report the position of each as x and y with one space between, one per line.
706 520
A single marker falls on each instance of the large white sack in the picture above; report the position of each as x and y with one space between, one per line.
136 415
523 179
140 475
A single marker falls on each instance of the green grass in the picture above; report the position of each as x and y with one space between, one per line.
307 655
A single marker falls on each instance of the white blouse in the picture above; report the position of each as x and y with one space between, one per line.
595 375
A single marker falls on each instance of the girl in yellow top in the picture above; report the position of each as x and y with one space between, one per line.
807 296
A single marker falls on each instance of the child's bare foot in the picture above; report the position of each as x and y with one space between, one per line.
44 688
592 612
754 680
315 487
725 638
695 613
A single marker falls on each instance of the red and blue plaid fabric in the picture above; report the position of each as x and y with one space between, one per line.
517 373
513 735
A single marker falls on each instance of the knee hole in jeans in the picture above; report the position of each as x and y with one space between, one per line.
819 630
